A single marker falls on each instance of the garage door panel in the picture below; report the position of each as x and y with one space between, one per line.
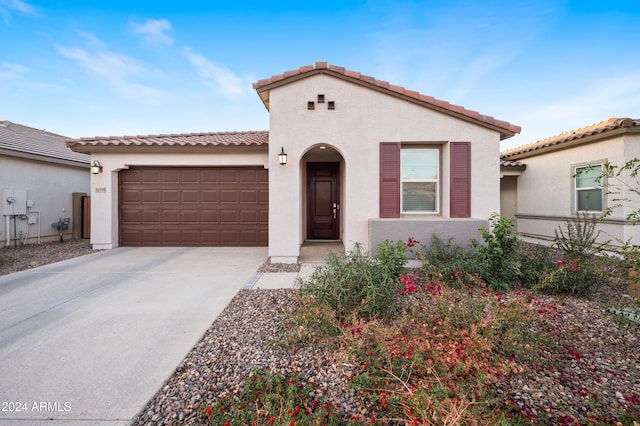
151 176
229 196
229 217
170 196
151 196
131 216
209 196
189 196
190 176
171 217
190 217
223 206
210 216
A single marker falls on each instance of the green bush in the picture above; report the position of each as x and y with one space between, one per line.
497 257
579 238
356 284
535 262
448 261
573 277
392 257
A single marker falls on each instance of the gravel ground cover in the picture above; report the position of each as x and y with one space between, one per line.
14 259
595 373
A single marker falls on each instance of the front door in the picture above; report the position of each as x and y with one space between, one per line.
323 208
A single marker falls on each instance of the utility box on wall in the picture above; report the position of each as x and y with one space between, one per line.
14 202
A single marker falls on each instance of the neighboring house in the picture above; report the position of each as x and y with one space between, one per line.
561 179
365 161
38 176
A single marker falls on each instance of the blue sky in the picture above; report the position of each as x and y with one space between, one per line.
109 67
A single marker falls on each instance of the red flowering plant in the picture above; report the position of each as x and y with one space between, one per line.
437 363
270 398
571 276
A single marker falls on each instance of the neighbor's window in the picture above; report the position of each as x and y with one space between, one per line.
420 176
588 188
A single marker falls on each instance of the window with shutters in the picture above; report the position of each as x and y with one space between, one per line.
419 180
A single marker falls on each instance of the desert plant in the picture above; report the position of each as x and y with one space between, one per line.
355 284
579 238
497 256
574 277
535 262
392 257
446 260
270 398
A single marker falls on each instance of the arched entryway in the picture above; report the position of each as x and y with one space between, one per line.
323 206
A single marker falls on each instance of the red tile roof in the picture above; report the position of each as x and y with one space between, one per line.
263 87
599 131
247 138
506 163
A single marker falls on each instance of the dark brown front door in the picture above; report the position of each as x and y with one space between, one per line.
323 220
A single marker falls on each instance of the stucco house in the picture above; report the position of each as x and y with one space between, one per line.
548 182
39 176
347 157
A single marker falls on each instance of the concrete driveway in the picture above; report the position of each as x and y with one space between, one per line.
90 340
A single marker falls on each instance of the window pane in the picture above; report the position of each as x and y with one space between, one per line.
419 164
590 200
419 196
587 177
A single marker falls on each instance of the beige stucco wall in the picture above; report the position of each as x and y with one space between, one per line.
361 120
104 186
545 190
50 186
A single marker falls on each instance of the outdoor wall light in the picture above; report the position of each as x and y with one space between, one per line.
96 167
282 157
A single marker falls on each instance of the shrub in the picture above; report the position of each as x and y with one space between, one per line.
497 256
579 238
270 398
573 277
356 284
535 262
392 257
448 261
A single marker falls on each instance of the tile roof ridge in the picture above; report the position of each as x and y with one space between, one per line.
167 135
385 85
591 129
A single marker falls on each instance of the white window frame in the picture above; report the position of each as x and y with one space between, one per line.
437 149
576 190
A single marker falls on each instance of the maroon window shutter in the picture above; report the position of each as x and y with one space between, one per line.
460 205
389 179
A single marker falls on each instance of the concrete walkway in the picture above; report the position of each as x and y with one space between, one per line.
90 340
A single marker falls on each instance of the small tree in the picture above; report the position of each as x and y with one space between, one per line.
621 182
614 182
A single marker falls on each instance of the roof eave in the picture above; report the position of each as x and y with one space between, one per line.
44 158
263 92
88 148
560 145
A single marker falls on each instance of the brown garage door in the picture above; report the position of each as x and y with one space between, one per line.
193 206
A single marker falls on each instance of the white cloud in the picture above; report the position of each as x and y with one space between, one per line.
11 72
116 69
154 31
220 77
9 7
